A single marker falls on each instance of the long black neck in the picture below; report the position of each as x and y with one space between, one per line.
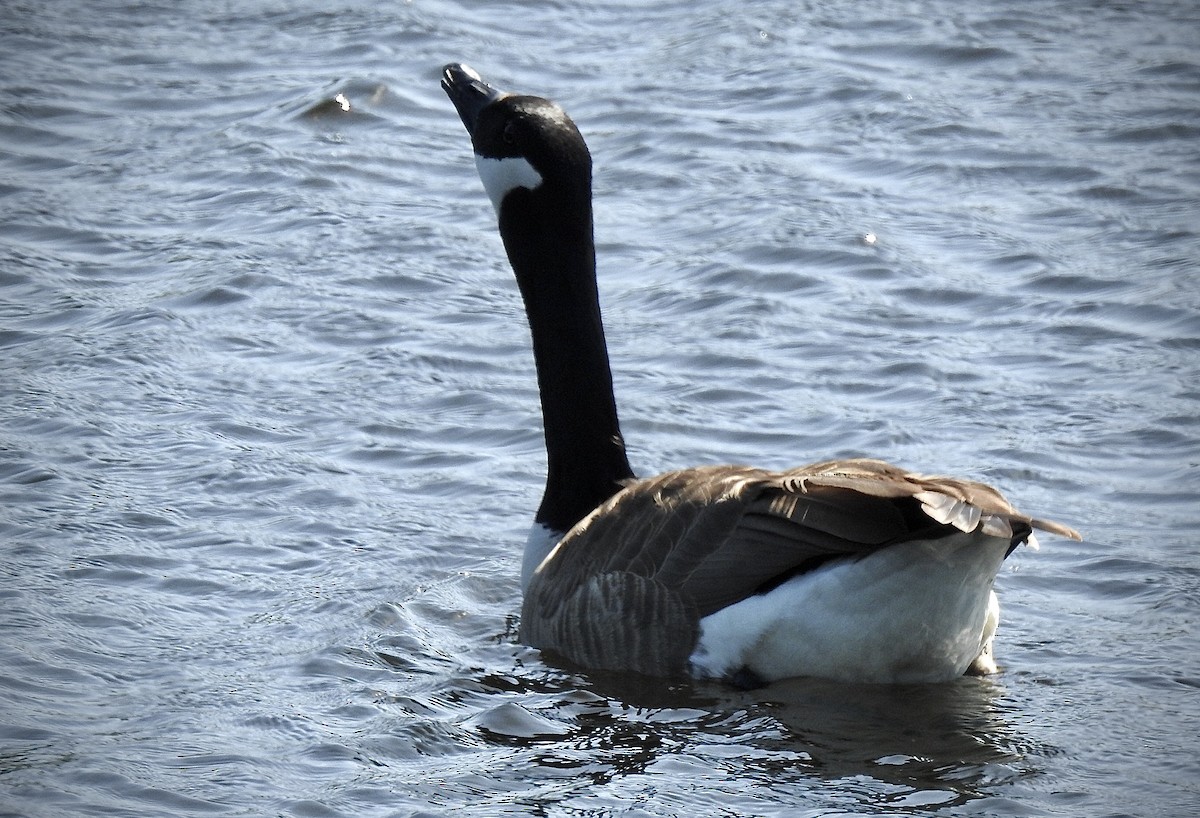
548 236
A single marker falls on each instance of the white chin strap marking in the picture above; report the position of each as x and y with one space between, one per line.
502 175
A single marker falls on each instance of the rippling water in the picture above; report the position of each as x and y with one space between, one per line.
268 426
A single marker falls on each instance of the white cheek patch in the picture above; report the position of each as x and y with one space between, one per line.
502 175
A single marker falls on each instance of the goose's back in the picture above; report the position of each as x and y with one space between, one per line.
626 588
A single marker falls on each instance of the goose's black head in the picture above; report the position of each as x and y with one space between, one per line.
522 143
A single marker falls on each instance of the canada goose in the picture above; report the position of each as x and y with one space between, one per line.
846 569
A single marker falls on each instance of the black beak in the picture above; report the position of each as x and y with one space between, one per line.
469 93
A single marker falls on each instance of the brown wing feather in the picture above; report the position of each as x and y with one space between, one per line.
626 587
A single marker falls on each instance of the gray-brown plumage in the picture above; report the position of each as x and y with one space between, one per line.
626 588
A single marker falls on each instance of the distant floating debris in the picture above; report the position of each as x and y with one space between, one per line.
348 102
329 107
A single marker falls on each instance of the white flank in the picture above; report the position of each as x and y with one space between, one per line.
916 612
503 175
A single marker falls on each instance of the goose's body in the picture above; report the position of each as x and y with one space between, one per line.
852 569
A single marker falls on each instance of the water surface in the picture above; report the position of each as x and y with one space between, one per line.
269 439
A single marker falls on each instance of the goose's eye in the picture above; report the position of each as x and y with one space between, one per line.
508 136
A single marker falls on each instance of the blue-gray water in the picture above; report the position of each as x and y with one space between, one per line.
269 439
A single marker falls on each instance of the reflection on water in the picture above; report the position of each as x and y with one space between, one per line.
951 737
602 734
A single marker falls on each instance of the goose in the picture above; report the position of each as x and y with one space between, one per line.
854 570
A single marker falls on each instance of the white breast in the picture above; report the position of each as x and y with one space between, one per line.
538 545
